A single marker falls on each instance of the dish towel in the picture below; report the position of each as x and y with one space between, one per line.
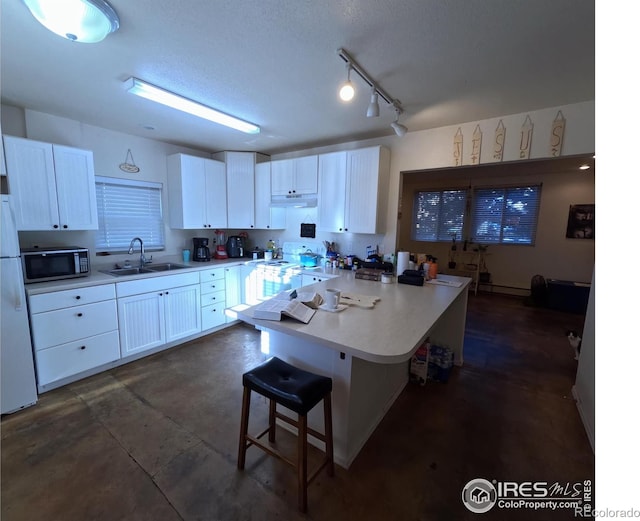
363 301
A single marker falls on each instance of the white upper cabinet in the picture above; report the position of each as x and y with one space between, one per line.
267 217
332 182
353 189
297 176
197 192
53 185
240 174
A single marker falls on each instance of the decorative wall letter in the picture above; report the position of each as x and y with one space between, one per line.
526 133
557 135
476 145
498 143
457 148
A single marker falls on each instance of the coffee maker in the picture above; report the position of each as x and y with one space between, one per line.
201 251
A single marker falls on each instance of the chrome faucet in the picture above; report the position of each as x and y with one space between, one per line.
143 259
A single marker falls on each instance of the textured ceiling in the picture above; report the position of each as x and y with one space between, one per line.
275 64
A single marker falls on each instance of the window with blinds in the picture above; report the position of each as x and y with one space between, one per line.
128 209
505 215
438 214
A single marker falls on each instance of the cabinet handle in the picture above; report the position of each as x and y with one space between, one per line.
79 315
78 297
166 292
65 226
160 293
83 347
55 226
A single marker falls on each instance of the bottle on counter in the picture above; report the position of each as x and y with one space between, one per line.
433 268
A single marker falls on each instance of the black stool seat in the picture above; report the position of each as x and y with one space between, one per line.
293 388
299 391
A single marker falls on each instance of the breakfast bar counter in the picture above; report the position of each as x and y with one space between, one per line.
366 351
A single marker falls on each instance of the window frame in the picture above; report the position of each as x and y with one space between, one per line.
439 233
505 215
469 217
151 231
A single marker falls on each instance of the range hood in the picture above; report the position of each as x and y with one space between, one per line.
295 200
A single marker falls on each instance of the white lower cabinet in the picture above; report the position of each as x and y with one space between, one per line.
168 312
212 297
73 331
233 291
308 278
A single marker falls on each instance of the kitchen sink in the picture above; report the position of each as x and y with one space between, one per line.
164 266
120 272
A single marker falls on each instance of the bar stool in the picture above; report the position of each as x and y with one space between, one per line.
298 391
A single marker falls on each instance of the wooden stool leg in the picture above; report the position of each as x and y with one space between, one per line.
328 434
272 421
302 463
244 427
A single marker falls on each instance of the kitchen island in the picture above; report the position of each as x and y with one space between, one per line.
366 351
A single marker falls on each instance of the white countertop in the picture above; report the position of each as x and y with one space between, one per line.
96 278
388 333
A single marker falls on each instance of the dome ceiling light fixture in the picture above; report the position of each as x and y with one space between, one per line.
373 109
85 21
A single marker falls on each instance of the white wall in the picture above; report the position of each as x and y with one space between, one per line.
584 390
415 151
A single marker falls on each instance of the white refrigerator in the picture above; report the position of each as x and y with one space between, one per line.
17 374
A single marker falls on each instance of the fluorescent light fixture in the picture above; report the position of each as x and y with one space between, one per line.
169 99
86 21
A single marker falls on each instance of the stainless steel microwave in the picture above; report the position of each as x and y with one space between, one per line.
44 264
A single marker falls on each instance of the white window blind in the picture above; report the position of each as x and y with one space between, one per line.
438 214
128 209
505 215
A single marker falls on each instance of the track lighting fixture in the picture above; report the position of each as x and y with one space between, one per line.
398 128
373 109
347 91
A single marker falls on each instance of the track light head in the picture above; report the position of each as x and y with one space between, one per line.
373 111
398 128
347 92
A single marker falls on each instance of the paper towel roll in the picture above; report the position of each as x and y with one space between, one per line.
403 262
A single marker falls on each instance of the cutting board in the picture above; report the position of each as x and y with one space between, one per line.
362 301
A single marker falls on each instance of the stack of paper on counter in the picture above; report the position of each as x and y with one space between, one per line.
283 304
308 298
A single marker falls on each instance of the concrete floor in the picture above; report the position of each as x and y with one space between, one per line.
157 439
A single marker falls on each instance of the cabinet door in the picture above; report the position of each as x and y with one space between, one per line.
267 218
32 183
282 172
141 321
76 188
215 193
362 190
306 175
187 192
233 288
182 312
240 168
332 175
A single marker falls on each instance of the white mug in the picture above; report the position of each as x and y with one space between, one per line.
268 255
332 298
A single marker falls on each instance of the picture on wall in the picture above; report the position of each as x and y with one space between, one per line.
581 223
